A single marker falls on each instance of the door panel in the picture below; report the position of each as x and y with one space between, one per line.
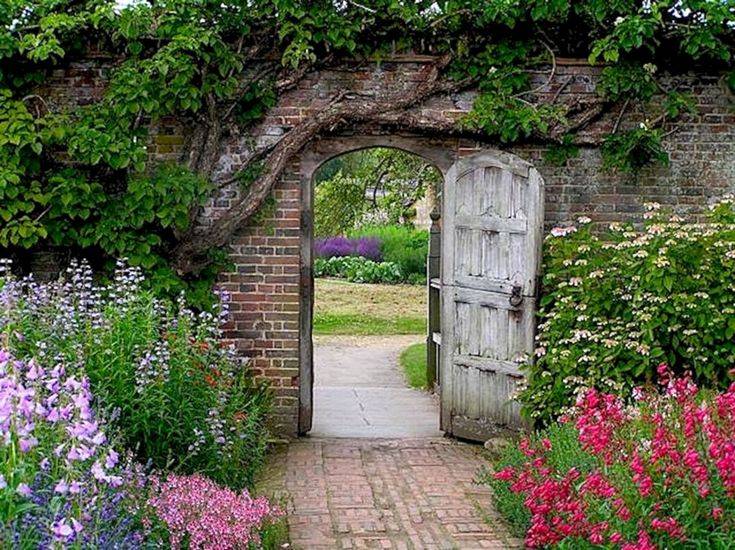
491 240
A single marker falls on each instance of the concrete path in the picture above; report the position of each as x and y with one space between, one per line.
402 494
360 391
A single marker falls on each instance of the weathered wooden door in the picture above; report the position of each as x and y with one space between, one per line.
491 244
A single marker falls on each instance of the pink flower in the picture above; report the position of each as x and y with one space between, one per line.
677 441
506 474
644 542
668 525
210 517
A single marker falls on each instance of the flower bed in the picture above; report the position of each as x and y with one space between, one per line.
357 269
104 388
657 472
389 254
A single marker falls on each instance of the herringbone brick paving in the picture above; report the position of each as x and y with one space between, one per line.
403 494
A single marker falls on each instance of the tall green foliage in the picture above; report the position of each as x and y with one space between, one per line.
378 185
67 173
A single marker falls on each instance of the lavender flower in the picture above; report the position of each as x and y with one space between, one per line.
55 448
336 247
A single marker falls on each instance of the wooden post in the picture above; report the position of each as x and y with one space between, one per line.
433 288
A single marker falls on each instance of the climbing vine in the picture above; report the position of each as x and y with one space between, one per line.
82 177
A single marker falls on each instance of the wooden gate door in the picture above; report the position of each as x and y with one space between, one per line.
491 245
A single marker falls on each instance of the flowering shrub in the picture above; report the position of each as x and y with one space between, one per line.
616 305
358 270
656 473
178 397
61 481
403 247
339 247
197 511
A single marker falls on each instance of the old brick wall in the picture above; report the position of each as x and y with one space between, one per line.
269 286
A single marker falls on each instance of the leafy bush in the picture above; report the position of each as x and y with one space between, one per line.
357 269
404 246
178 397
657 473
616 305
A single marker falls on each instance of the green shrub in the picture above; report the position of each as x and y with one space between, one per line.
404 246
617 305
357 269
180 399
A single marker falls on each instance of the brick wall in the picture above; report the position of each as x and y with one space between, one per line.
270 284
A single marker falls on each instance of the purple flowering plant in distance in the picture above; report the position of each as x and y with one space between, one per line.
368 247
338 247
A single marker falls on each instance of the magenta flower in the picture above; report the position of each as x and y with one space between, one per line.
209 516
673 446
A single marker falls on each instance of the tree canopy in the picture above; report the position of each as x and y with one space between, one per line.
379 185
81 177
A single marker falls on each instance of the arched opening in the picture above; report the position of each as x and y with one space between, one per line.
484 288
370 228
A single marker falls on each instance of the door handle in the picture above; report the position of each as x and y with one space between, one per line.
516 298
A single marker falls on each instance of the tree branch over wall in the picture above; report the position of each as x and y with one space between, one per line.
344 108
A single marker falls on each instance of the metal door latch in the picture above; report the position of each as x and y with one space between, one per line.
516 298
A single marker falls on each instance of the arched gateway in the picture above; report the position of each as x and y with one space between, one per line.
495 223
492 223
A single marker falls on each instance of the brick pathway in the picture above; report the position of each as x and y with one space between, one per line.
362 493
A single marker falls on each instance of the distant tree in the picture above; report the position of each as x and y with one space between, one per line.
378 185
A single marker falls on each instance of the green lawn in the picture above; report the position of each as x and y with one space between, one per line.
341 307
413 362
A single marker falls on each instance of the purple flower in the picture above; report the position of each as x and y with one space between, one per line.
112 458
368 247
336 247
24 490
62 530
27 444
34 372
